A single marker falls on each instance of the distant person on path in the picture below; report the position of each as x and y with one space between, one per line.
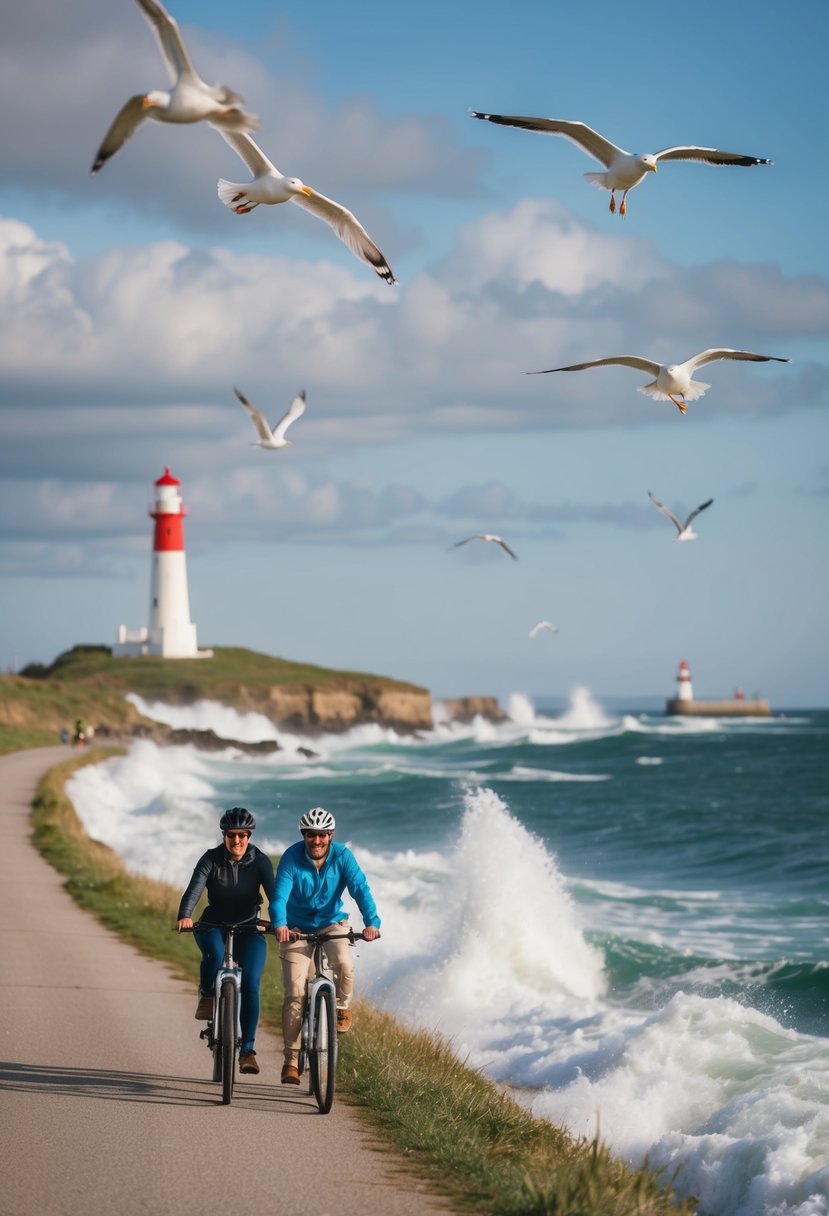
310 880
79 738
233 874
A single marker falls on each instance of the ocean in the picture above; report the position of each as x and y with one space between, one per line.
622 917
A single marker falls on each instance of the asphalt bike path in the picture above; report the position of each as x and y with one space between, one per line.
105 1100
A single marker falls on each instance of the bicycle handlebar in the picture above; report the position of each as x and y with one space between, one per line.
351 935
259 926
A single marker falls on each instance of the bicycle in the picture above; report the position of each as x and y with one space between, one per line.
318 1037
223 1032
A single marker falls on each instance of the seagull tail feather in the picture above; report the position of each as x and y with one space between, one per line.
598 179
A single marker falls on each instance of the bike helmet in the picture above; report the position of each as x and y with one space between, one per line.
237 817
317 819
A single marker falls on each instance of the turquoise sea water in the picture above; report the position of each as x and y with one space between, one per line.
623 916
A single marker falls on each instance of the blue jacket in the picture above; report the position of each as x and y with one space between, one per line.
309 899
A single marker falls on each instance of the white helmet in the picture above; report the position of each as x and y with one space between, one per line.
317 819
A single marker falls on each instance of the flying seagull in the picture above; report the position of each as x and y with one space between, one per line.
684 531
275 438
672 380
487 536
189 100
539 625
270 186
624 169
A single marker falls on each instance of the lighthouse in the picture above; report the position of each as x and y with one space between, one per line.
684 690
171 633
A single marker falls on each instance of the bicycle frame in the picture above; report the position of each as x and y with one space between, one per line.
229 970
314 987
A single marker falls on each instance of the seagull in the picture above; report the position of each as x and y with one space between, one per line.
490 536
273 439
672 380
189 100
269 186
624 169
684 531
539 625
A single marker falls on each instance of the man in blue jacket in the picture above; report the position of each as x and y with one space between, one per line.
310 880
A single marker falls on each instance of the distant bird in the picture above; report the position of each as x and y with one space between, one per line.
673 380
270 186
624 169
539 625
490 537
189 100
684 531
273 438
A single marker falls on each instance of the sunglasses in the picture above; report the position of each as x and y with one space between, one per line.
316 835
236 835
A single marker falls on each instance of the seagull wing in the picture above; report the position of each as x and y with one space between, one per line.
169 37
668 514
709 356
124 125
505 547
348 228
577 132
466 541
250 152
711 156
543 625
257 417
695 513
643 365
297 407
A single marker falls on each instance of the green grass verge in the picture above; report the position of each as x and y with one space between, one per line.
452 1126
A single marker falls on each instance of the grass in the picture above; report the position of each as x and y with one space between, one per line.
453 1127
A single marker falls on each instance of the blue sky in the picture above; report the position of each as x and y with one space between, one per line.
132 302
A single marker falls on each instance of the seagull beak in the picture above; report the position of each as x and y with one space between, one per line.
654 168
307 190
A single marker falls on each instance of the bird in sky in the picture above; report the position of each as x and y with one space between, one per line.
541 625
684 531
273 438
672 380
489 536
189 100
270 186
624 169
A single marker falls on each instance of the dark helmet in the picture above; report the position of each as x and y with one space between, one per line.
237 817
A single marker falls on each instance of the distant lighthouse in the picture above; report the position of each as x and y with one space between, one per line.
171 633
684 690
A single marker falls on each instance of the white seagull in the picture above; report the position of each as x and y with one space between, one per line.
539 625
189 100
624 169
684 531
273 438
490 536
270 186
672 380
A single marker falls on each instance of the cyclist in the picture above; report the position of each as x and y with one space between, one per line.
232 874
310 880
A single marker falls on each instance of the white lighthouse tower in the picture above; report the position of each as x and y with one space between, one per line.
171 633
684 689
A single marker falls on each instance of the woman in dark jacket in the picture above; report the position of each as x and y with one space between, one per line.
234 874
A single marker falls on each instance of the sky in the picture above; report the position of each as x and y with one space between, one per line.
132 302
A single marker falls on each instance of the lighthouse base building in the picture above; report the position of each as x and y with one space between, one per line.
171 634
684 704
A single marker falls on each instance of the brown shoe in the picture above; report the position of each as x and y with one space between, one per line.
344 1020
247 1062
290 1074
204 1009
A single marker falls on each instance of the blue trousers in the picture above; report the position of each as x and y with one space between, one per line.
251 952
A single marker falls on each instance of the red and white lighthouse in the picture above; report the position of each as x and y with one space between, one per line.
684 688
171 633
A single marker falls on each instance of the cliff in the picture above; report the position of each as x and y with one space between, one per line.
465 709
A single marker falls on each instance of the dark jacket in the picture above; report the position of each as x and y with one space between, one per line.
233 887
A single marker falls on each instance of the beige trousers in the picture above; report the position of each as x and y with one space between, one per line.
297 968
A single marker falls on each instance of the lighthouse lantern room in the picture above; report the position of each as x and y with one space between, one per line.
171 633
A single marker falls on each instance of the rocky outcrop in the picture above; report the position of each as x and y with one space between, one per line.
204 740
465 709
329 710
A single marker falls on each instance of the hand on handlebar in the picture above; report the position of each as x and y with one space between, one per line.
185 922
370 933
282 933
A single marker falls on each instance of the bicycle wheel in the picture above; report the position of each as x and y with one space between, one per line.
217 1056
227 1030
322 1058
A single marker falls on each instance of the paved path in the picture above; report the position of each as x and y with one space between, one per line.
105 1105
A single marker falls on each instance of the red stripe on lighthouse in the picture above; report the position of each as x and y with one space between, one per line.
169 533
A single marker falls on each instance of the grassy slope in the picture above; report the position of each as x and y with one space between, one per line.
452 1125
